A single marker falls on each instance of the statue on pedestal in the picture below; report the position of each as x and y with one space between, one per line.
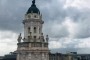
19 38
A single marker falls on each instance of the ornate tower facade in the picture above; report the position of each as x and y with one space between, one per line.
33 46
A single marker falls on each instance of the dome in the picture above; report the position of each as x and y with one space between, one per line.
33 8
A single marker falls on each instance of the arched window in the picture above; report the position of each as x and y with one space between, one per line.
34 37
28 29
34 29
29 37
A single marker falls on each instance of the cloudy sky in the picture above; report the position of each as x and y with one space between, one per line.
67 22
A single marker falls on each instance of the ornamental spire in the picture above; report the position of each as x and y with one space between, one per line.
33 2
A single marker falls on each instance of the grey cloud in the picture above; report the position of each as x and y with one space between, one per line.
54 30
83 29
79 17
82 19
11 16
56 13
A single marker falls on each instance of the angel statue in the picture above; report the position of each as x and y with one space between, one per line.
19 38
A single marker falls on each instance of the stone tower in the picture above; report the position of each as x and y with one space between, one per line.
33 46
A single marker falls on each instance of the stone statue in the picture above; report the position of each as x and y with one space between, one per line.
47 38
19 38
24 39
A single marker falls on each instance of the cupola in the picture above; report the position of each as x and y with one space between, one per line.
33 8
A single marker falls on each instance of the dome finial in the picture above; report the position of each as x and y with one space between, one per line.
33 1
